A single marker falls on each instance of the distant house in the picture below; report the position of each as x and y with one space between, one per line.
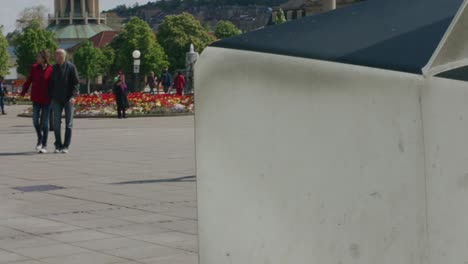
296 9
99 40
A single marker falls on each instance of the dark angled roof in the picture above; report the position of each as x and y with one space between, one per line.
103 38
396 35
99 40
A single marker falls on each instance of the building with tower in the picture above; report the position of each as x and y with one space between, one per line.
76 20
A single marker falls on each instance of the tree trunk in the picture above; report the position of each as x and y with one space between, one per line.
89 85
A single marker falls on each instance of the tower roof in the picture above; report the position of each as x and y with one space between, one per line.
78 32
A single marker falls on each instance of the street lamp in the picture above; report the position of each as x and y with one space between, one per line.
191 58
136 66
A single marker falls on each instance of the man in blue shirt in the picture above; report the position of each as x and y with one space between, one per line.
166 80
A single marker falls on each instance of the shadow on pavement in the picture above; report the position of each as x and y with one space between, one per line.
17 154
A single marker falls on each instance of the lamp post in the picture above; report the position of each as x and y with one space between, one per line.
136 66
190 58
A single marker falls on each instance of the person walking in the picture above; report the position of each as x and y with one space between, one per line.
179 83
166 80
120 92
39 78
63 89
3 94
152 82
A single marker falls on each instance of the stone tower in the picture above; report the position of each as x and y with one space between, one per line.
76 20
74 12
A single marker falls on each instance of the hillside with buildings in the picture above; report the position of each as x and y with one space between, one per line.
247 15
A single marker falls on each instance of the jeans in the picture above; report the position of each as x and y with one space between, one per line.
166 89
58 109
41 122
2 104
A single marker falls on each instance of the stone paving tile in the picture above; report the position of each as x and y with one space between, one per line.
132 229
25 241
121 221
111 243
150 218
184 226
8 257
92 257
71 216
145 252
6 232
135 262
118 211
172 239
50 251
27 262
78 236
36 225
99 222
185 258
182 212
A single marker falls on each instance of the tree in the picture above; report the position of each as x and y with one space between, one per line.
226 29
280 18
176 34
36 13
88 62
137 35
107 60
4 57
29 43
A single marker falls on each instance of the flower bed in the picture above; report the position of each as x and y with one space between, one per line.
16 98
140 104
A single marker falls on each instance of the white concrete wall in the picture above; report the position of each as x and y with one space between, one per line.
301 161
446 136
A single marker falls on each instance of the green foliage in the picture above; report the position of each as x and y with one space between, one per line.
88 61
4 57
280 18
29 43
176 34
107 60
137 35
226 29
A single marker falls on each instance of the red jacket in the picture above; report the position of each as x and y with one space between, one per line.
40 79
179 82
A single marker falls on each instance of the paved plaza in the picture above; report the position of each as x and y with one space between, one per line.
125 193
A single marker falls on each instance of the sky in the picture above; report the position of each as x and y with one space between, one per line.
10 11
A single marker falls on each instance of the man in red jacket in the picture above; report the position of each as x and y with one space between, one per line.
39 77
179 83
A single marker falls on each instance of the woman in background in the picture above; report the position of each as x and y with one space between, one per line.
120 92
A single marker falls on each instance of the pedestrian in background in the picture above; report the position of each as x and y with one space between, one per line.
179 83
120 92
166 80
152 82
3 94
39 78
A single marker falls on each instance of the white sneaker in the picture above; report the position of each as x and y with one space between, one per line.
38 147
57 151
64 151
43 151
